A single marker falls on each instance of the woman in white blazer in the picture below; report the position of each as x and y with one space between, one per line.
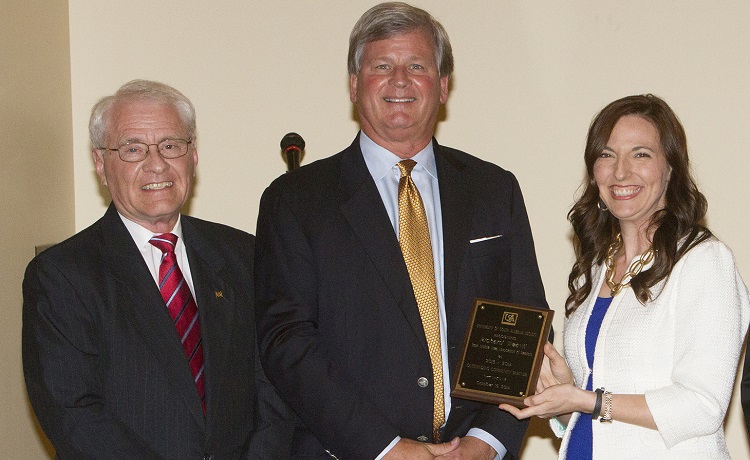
657 311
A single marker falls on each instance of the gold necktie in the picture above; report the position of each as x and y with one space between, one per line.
414 238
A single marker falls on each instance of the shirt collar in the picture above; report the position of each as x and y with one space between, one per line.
381 161
142 235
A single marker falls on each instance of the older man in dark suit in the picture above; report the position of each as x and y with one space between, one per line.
139 332
368 262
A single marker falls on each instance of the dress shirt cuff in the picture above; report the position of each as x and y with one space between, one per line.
558 427
388 448
489 439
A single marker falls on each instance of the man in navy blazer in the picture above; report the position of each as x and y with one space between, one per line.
340 333
105 369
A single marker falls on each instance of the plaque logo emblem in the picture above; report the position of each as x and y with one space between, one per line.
509 318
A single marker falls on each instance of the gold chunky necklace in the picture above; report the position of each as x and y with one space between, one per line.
633 270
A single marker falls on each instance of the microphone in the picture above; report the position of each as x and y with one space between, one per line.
292 146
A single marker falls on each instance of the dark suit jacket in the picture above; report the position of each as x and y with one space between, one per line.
104 367
340 332
745 390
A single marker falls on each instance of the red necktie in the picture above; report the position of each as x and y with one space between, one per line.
182 308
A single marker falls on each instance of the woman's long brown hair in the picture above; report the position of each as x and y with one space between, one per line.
677 227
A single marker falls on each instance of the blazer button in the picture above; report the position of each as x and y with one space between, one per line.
423 382
422 439
208 457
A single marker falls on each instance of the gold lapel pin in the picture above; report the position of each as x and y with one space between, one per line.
219 294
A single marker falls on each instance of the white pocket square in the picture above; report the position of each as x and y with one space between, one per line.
479 240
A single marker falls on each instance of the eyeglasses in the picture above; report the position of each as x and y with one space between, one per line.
134 152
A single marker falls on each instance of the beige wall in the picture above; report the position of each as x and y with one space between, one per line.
529 77
36 183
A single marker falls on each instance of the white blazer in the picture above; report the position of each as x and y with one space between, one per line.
681 350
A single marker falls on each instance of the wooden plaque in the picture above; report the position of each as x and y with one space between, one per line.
503 352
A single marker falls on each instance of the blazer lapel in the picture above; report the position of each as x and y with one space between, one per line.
138 296
215 298
364 211
455 202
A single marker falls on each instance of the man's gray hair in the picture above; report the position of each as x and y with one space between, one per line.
135 90
394 18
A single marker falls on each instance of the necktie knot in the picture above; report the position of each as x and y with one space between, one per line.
165 242
406 166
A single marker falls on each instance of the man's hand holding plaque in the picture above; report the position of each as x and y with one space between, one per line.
503 353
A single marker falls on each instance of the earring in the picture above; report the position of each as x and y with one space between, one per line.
600 204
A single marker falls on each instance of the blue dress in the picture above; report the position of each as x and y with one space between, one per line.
580 445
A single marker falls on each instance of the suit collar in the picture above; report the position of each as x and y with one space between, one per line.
364 211
366 214
139 297
217 302
456 201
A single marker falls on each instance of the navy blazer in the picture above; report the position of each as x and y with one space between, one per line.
745 390
105 370
340 333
